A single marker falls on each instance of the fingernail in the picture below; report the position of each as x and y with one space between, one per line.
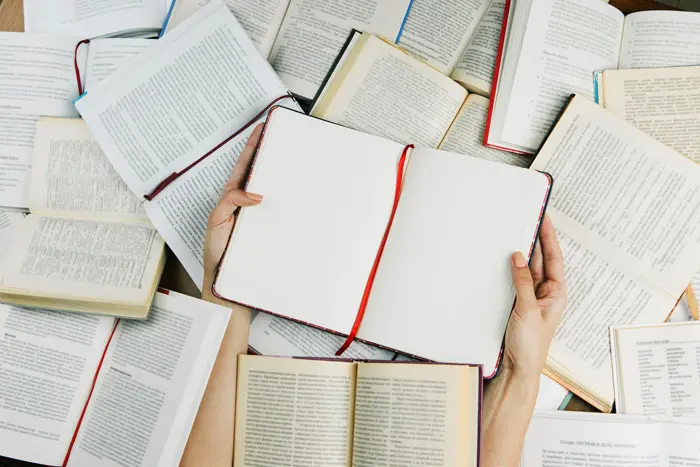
519 260
254 197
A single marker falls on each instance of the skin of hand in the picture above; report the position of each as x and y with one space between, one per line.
211 439
509 399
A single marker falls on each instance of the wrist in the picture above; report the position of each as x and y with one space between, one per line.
527 384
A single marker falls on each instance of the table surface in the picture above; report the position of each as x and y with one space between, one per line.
175 278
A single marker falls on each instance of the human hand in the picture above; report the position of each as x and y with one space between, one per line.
222 218
540 301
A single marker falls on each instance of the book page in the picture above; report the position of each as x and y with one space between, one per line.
552 395
662 102
657 369
458 222
466 135
30 88
313 33
48 361
331 229
564 42
261 19
296 412
72 177
570 439
272 335
474 69
105 56
90 18
656 39
365 96
150 385
10 222
99 260
456 22
681 442
405 412
630 248
195 86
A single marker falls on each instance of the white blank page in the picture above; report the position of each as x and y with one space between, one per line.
443 290
307 250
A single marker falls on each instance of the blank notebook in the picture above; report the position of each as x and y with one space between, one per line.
442 290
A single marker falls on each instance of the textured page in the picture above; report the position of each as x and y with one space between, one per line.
271 335
662 102
105 56
385 92
314 237
72 177
48 361
437 31
301 408
30 87
466 135
313 33
194 87
655 39
10 222
657 369
150 385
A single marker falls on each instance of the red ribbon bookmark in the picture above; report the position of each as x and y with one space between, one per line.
169 179
75 65
373 272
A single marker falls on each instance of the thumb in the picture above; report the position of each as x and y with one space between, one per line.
522 279
228 204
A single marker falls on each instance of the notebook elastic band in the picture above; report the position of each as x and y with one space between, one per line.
373 272
77 68
162 185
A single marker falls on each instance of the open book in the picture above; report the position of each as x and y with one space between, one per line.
551 48
83 390
630 239
9 224
93 18
87 245
301 38
467 43
308 250
380 89
155 135
341 413
656 369
569 439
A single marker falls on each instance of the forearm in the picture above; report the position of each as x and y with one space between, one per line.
509 401
211 439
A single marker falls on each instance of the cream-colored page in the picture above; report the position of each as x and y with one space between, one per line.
437 31
271 335
10 222
151 384
261 19
48 361
72 177
657 369
30 88
655 39
630 249
662 102
105 56
391 94
565 42
194 87
475 67
405 412
313 33
466 135
82 259
294 412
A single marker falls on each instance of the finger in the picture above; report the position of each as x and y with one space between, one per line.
537 265
522 279
229 203
240 170
551 252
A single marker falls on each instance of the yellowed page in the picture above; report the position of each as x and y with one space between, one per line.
386 92
405 412
294 412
